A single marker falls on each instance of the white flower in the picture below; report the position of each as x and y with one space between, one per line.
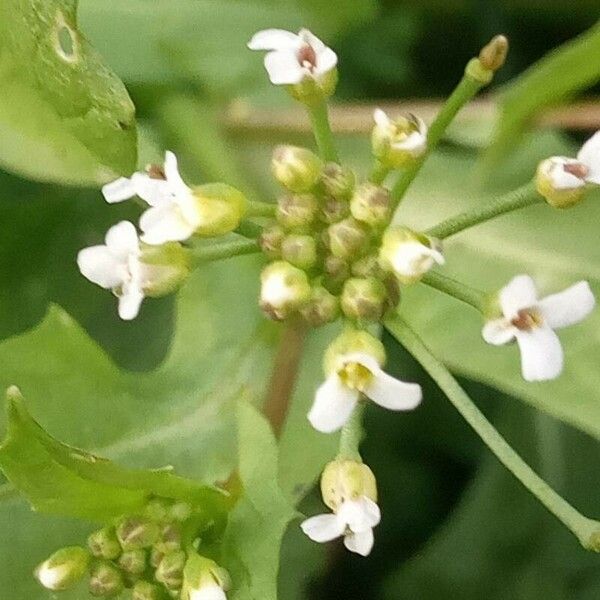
116 266
208 592
354 519
173 215
353 374
532 322
397 140
292 57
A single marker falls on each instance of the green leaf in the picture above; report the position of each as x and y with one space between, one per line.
62 480
64 116
258 521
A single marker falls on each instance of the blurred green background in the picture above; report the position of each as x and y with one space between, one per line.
456 526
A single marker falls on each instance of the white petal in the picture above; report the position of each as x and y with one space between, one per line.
498 332
122 240
119 190
326 61
381 119
359 515
519 293
101 267
391 393
412 259
274 39
130 302
312 40
323 528
541 354
415 142
569 306
589 155
360 543
176 183
156 192
333 405
164 224
208 592
283 68
554 169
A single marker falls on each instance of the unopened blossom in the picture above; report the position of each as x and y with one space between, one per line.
293 58
284 289
210 591
398 141
204 579
63 569
562 180
531 322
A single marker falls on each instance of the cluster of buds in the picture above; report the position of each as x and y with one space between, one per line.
143 553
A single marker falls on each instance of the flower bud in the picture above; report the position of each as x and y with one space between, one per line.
398 142
334 210
165 268
144 590
409 255
170 570
133 562
180 512
106 580
297 211
364 299
219 207
338 181
352 341
348 238
556 179
270 241
322 307
204 580
299 250
371 204
63 569
156 556
135 533
296 169
337 270
368 266
170 539
104 544
284 289
344 480
157 510
493 55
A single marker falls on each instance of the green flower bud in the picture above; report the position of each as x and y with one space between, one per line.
165 268
133 562
203 578
296 169
368 266
297 211
106 580
364 299
322 308
270 241
284 289
180 511
170 570
156 556
220 208
560 181
299 250
371 204
398 142
144 590
348 239
170 539
157 509
63 569
337 270
352 341
338 181
104 544
493 55
334 210
135 533
347 480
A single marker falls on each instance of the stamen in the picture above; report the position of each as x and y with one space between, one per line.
577 169
307 57
355 376
527 319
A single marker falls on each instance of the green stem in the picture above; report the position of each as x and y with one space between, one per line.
522 197
462 94
322 129
261 209
249 229
352 435
476 298
585 529
223 250
379 173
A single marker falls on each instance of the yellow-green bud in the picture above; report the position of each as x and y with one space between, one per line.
220 208
106 581
557 170
166 268
398 142
202 574
493 54
368 266
133 562
270 241
284 289
348 238
322 308
157 509
297 212
299 250
104 544
344 480
156 556
475 70
180 511
352 341
170 538
371 204
334 210
338 181
137 532
63 569
337 271
144 590
296 169
364 299
170 570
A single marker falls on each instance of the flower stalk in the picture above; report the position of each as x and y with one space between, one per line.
475 298
223 250
352 435
319 117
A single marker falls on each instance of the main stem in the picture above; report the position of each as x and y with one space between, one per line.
586 530
319 117
522 197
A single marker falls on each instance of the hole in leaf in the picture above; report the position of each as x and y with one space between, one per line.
65 40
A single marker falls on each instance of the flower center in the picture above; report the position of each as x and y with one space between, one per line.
355 376
156 172
577 169
403 127
527 319
307 57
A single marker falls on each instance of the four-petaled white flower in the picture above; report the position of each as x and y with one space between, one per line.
354 374
173 215
399 139
532 322
116 266
292 57
354 519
